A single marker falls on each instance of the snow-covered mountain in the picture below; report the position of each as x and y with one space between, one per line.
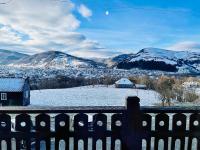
55 59
161 59
153 59
112 62
7 56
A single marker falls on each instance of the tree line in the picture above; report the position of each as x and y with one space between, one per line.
169 88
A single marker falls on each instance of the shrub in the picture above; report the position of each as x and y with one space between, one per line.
190 96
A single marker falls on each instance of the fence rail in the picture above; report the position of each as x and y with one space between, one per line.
126 128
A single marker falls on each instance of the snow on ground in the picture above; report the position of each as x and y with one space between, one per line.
91 96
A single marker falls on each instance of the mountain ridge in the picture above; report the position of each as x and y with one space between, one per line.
7 56
145 59
55 59
161 59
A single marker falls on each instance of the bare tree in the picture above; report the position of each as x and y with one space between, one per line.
164 88
190 96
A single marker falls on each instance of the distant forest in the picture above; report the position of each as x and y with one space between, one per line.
148 65
68 82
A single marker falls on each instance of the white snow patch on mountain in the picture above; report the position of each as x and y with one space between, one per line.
162 55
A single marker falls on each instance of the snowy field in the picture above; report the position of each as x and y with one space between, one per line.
91 96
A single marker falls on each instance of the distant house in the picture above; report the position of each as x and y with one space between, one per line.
14 92
141 86
124 83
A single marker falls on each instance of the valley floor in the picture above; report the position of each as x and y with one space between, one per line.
98 95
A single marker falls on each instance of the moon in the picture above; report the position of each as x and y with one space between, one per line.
107 13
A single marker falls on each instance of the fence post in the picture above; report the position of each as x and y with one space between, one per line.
132 124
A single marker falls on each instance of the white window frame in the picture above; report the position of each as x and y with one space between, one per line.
3 96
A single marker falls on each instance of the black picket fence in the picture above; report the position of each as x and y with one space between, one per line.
127 128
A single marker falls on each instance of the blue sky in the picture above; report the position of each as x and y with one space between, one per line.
135 24
100 28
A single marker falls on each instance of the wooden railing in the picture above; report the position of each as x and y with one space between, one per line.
127 128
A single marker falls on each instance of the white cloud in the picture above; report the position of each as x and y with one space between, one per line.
84 11
94 54
34 26
185 45
92 49
8 36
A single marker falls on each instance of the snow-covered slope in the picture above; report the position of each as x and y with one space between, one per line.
55 59
7 56
161 59
91 96
157 54
111 62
